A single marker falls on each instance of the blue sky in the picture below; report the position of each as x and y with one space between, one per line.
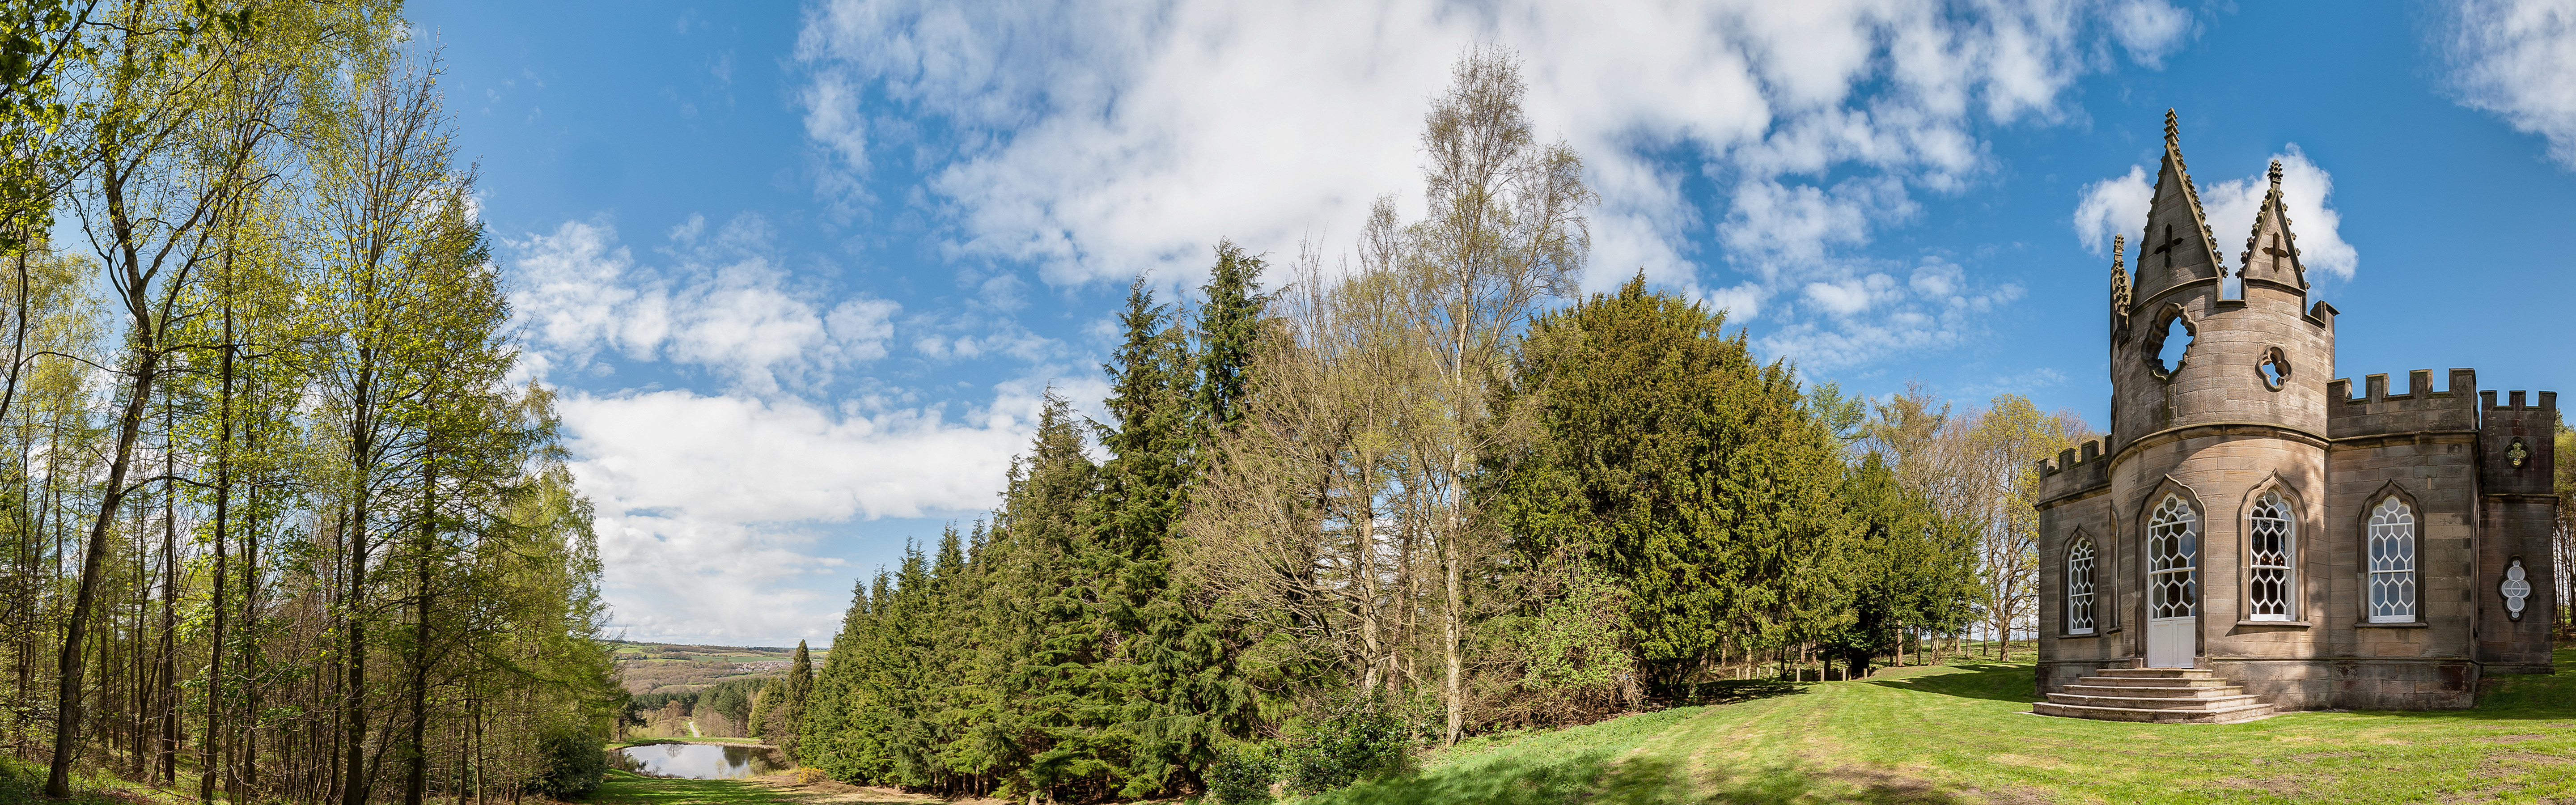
803 271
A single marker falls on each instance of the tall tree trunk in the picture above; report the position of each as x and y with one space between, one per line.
129 426
1452 611
209 761
67 699
415 783
1370 641
168 698
354 779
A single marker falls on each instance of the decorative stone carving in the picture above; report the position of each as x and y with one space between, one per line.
2516 589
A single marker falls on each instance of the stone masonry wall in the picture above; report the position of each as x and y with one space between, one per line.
2422 447
2515 522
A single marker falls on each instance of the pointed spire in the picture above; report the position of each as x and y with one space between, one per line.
2271 246
2177 237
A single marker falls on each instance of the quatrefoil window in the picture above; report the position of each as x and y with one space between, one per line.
2516 454
2274 366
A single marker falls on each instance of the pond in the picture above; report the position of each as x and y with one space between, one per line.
697 761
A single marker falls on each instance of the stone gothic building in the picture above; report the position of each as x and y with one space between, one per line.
2254 535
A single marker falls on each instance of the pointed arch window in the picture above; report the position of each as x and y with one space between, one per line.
2173 552
2273 546
2392 561
2079 586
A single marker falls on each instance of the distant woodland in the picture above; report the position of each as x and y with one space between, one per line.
671 668
275 522
1352 504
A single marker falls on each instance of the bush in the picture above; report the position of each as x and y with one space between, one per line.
575 759
1243 774
1354 742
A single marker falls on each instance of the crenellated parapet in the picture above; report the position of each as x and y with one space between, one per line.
2421 409
2074 471
2517 442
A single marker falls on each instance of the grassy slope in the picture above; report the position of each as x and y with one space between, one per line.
22 781
1963 734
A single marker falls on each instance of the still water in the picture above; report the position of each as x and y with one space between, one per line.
697 761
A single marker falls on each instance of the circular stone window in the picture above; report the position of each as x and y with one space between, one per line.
2274 367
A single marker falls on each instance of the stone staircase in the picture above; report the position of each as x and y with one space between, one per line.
2156 695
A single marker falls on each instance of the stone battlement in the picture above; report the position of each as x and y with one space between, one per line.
2520 440
2487 401
2377 412
2074 470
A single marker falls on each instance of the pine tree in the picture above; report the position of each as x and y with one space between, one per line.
1175 689
1047 636
1229 331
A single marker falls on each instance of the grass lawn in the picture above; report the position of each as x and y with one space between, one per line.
1962 733
636 789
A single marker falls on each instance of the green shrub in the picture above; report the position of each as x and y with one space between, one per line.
1243 774
1355 741
575 759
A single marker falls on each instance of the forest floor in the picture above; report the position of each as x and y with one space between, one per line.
1963 733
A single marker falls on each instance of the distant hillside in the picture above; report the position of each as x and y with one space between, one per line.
673 668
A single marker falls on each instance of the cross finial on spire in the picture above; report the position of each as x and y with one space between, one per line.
2276 174
2173 131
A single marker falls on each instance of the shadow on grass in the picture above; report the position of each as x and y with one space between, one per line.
1733 691
2004 682
2537 697
1597 777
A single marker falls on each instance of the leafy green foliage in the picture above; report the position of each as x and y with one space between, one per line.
1908 569
1667 458
572 761
1353 741
1243 773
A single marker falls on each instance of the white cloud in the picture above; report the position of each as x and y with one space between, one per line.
1875 315
1094 139
2305 188
2517 59
2118 205
2149 29
736 459
725 306
2113 206
710 506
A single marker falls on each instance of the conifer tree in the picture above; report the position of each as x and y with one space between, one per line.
1907 569
1664 455
1175 690
1229 331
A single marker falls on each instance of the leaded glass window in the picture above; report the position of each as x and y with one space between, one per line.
2079 587
2392 562
2173 553
2268 578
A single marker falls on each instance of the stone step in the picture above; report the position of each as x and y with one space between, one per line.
2228 715
2152 682
2153 703
2160 673
2209 692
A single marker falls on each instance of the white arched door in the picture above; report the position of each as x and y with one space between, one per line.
2173 584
